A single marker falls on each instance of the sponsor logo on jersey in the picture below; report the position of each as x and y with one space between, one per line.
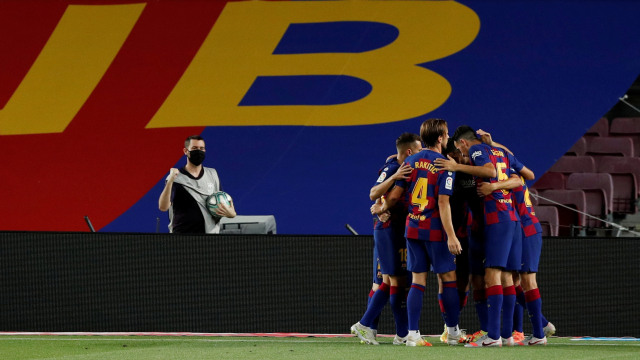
382 176
449 183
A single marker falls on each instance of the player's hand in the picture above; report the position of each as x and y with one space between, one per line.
226 210
376 209
485 136
446 164
403 172
454 245
384 217
485 189
173 173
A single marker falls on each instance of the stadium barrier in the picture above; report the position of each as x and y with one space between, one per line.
106 282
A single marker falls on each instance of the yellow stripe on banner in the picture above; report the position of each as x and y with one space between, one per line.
70 66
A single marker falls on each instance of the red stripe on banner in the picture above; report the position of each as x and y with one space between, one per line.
107 143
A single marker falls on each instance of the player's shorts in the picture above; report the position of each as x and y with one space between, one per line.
531 248
498 239
390 243
514 262
476 253
423 255
377 274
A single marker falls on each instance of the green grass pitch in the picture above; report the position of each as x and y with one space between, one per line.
187 347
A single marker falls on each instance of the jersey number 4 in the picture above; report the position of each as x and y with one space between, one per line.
419 196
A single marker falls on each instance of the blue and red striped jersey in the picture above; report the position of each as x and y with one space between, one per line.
524 208
422 189
498 206
398 212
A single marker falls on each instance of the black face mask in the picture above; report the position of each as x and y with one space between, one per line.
196 157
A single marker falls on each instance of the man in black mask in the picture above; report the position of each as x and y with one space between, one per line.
186 190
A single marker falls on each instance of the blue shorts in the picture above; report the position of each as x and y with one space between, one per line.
498 240
514 262
423 255
377 275
531 248
476 253
390 244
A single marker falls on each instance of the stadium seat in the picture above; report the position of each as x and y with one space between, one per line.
627 127
598 189
568 218
549 220
625 172
600 128
609 146
550 180
579 148
571 164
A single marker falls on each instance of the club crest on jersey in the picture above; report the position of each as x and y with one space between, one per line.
210 187
382 176
476 154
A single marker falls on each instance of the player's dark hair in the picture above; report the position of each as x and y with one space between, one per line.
405 140
464 132
192 137
450 148
431 130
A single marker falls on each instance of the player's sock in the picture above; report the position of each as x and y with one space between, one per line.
441 307
414 305
399 307
518 311
378 301
494 310
534 306
508 305
374 325
450 303
480 302
464 296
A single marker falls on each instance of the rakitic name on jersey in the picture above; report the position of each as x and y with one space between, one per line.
426 165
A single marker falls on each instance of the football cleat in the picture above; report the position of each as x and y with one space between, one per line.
476 335
485 341
549 329
532 340
455 340
364 333
416 340
443 337
397 340
518 336
508 341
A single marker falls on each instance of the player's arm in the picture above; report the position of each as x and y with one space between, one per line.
390 200
527 174
486 138
164 202
380 189
485 171
487 188
445 216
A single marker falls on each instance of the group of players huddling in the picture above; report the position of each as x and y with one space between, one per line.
460 207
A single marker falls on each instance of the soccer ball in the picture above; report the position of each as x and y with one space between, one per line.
214 200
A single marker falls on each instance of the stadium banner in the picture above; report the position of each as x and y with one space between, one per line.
299 101
117 282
